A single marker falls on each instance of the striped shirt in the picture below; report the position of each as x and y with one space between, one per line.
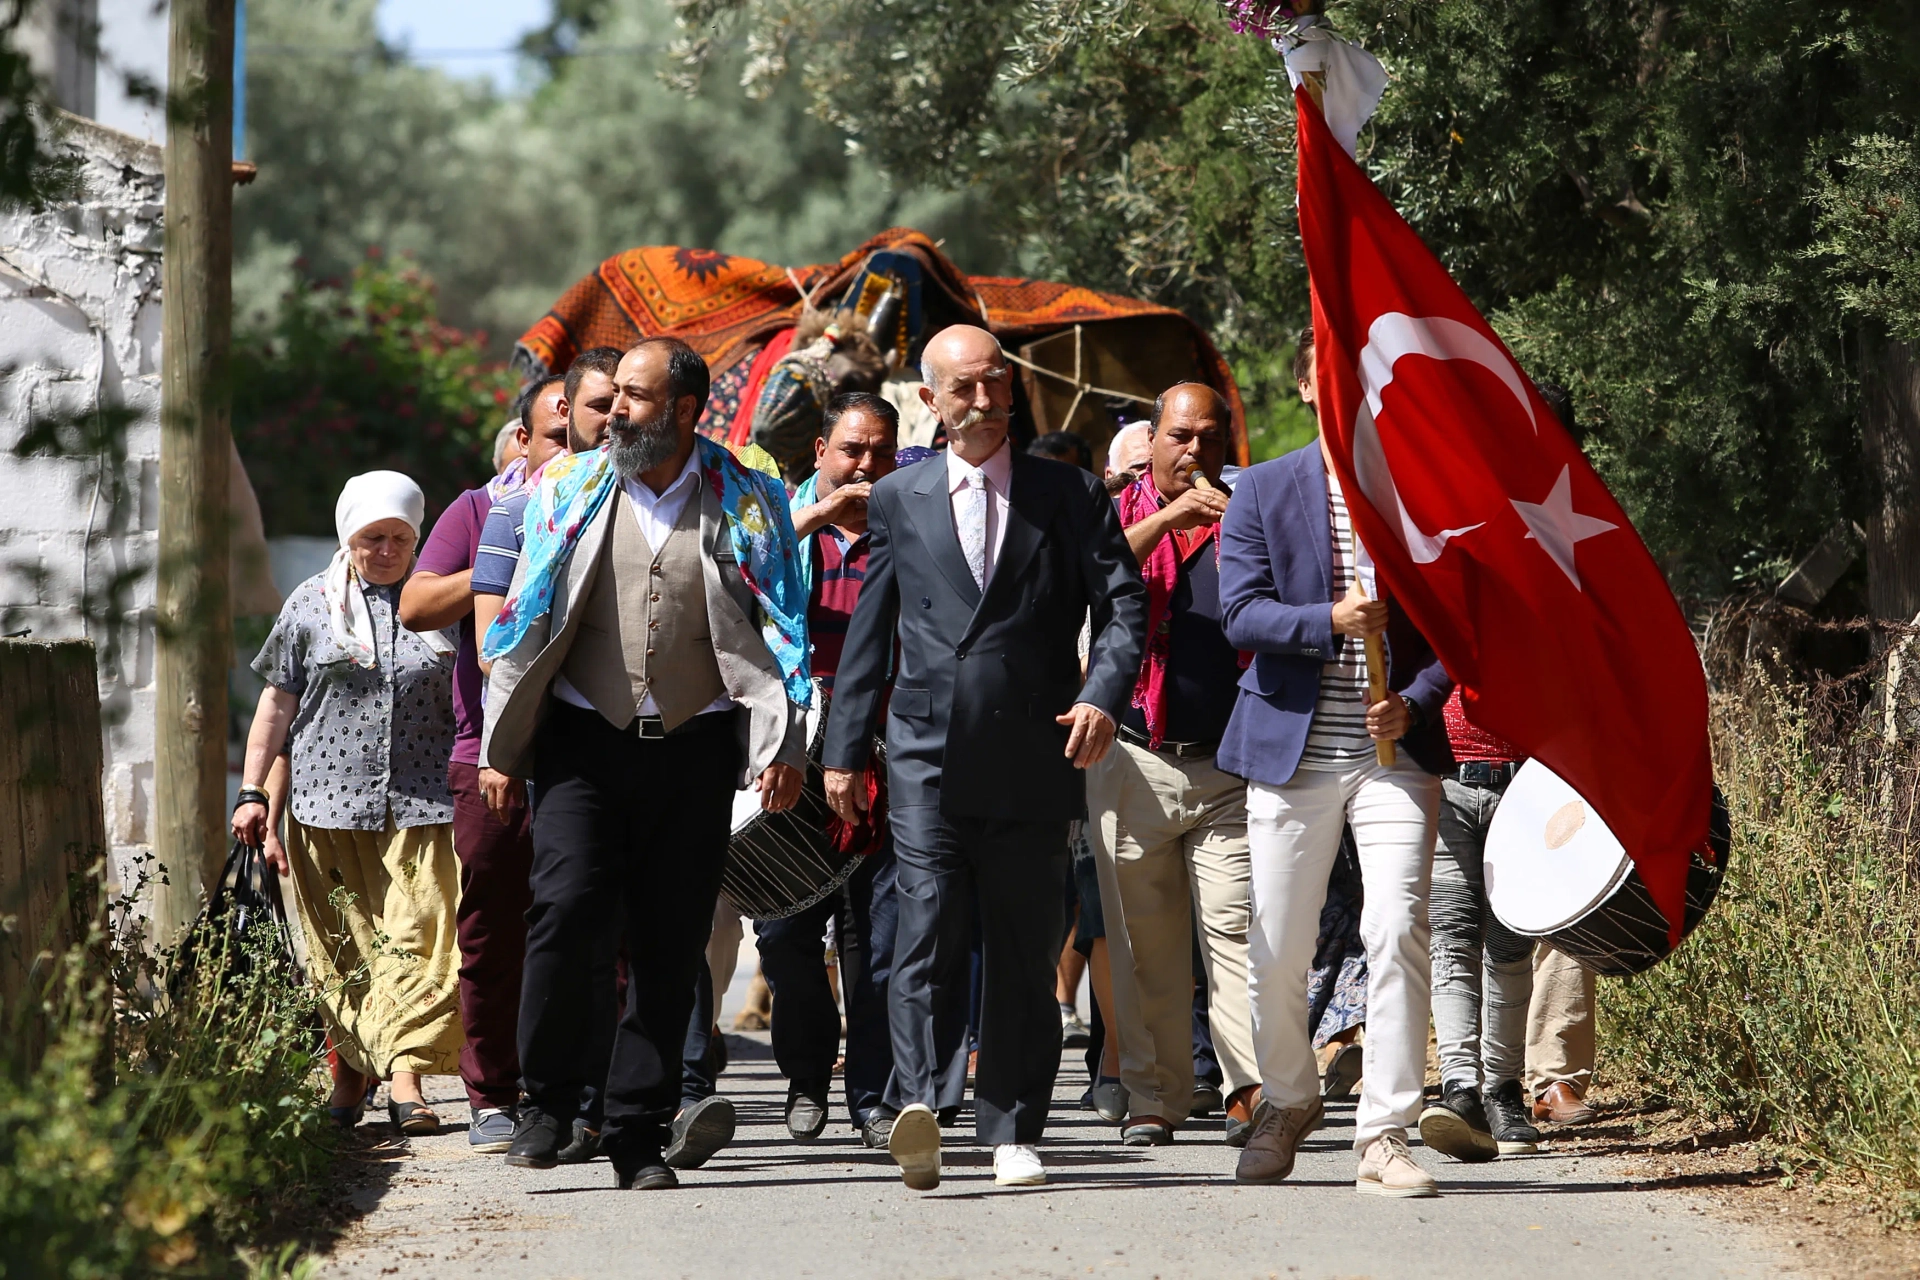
840 571
499 551
1338 737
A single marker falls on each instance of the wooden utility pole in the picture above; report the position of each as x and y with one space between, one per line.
194 619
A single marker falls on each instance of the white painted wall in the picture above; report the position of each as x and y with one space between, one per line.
80 324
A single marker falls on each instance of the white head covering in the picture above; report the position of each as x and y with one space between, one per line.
367 499
1117 447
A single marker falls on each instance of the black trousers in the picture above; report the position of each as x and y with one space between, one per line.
1013 875
630 831
806 1025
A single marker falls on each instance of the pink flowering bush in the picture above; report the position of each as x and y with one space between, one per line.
356 376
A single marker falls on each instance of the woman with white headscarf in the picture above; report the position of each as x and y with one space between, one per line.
368 708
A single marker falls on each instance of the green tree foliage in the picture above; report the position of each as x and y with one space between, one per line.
506 200
358 377
1679 211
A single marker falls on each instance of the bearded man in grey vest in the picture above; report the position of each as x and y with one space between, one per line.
639 693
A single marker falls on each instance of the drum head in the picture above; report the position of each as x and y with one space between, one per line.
1549 858
746 804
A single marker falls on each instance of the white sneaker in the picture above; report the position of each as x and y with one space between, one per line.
914 1145
1017 1165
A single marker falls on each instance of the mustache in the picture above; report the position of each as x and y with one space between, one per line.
974 417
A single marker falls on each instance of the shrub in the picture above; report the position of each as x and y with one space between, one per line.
359 376
156 1136
1791 1011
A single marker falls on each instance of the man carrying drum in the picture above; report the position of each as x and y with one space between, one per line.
858 435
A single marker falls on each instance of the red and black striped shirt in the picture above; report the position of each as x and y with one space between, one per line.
840 569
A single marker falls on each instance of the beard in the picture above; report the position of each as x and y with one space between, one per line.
635 448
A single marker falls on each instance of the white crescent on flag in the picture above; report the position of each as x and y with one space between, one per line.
1392 336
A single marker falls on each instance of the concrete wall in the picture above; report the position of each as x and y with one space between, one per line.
79 326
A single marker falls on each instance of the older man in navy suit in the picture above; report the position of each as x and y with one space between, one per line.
1303 735
984 562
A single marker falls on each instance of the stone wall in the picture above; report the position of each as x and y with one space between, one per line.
79 327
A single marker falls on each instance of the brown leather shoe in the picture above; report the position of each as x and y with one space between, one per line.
1277 1133
1240 1112
1561 1103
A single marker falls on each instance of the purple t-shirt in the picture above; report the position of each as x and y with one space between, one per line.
450 549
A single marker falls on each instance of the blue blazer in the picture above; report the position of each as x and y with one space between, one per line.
1276 599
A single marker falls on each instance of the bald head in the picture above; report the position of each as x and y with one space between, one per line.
1191 423
969 388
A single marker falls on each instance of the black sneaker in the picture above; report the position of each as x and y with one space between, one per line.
699 1131
1512 1126
1457 1126
807 1110
584 1147
536 1140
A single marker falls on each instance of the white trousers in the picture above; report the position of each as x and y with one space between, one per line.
1294 832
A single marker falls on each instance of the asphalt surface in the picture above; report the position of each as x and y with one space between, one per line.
768 1206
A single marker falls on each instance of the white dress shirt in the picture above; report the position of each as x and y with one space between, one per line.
999 473
656 514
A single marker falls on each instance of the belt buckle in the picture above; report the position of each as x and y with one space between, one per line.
655 723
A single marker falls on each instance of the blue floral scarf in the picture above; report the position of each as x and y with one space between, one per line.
571 493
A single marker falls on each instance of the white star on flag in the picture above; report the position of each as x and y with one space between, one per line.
1557 527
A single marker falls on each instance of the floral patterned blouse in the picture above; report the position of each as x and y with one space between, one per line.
367 743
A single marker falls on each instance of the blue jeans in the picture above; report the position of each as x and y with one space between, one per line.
1482 970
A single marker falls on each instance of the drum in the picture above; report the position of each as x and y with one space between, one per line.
1554 870
782 863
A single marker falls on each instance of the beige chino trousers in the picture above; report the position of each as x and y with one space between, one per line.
1560 1038
1170 845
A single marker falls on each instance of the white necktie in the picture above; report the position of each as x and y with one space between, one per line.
973 525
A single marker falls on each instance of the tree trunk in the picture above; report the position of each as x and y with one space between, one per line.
1890 434
1890 431
194 620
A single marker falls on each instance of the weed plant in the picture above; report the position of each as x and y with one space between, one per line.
157 1134
1791 1012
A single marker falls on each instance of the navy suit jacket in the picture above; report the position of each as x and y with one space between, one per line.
1276 600
970 725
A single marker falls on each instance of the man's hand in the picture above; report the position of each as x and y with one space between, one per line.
779 787
1090 734
844 503
1196 507
847 793
1358 616
504 795
250 824
1388 720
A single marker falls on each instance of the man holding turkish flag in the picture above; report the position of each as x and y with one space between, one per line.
1490 529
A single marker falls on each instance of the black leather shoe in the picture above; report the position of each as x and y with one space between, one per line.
699 1131
536 1140
807 1110
876 1131
1206 1099
651 1175
949 1117
1457 1126
584 1147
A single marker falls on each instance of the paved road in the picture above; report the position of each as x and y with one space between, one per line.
770 1207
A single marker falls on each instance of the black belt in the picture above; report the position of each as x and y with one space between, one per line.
650 728
1178 750
1493 774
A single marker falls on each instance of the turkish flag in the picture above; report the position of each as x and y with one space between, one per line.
1490 528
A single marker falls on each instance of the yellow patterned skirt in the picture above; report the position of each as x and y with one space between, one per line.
377 908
